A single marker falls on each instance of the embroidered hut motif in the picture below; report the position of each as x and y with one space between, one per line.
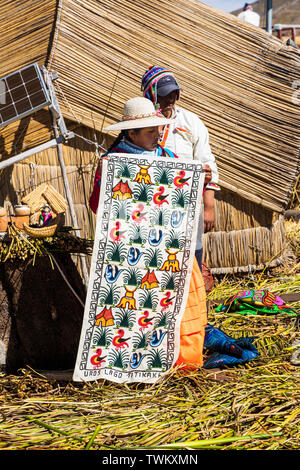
149 281
105 318
122 191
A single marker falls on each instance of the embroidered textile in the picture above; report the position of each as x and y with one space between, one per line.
141 267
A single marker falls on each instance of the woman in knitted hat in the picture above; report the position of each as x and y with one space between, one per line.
187 136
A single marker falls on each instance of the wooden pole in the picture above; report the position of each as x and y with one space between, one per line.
29 153
69 199
269 13
58 121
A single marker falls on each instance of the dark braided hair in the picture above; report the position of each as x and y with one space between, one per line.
123 133
117 140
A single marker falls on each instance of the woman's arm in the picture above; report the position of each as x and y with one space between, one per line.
94 198
209 210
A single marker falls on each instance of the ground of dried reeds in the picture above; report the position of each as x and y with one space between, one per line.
249 407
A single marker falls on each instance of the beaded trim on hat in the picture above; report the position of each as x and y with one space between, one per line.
142 116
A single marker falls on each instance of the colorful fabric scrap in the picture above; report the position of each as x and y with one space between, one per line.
256 302
227 351
218 360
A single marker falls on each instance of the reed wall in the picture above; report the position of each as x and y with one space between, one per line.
235 77
246 236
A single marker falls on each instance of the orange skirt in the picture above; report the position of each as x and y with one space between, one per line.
192 328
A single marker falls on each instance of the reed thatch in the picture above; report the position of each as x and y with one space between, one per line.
236 77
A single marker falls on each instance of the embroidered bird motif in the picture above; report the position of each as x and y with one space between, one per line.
97 359
144 321
166 301
157 339
112 273
176 218
136 359
153 239
133 256
119 342
159 198
180 180
138 215
115 232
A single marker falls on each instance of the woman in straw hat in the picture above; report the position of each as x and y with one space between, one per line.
140 132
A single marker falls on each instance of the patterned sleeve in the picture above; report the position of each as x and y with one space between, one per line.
213 186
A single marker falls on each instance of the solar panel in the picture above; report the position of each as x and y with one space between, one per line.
22 93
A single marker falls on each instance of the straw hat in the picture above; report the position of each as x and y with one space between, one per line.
139 112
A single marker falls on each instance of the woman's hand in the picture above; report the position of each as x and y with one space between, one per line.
209 219
100 164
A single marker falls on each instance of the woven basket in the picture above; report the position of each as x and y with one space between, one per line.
40 232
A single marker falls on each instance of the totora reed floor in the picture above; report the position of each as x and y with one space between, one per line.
250 407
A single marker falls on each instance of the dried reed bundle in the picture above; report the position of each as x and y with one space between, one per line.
244 250
27 244
45 194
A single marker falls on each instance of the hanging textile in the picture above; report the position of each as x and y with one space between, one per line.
141 265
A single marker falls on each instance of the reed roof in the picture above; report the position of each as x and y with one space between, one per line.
237 78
